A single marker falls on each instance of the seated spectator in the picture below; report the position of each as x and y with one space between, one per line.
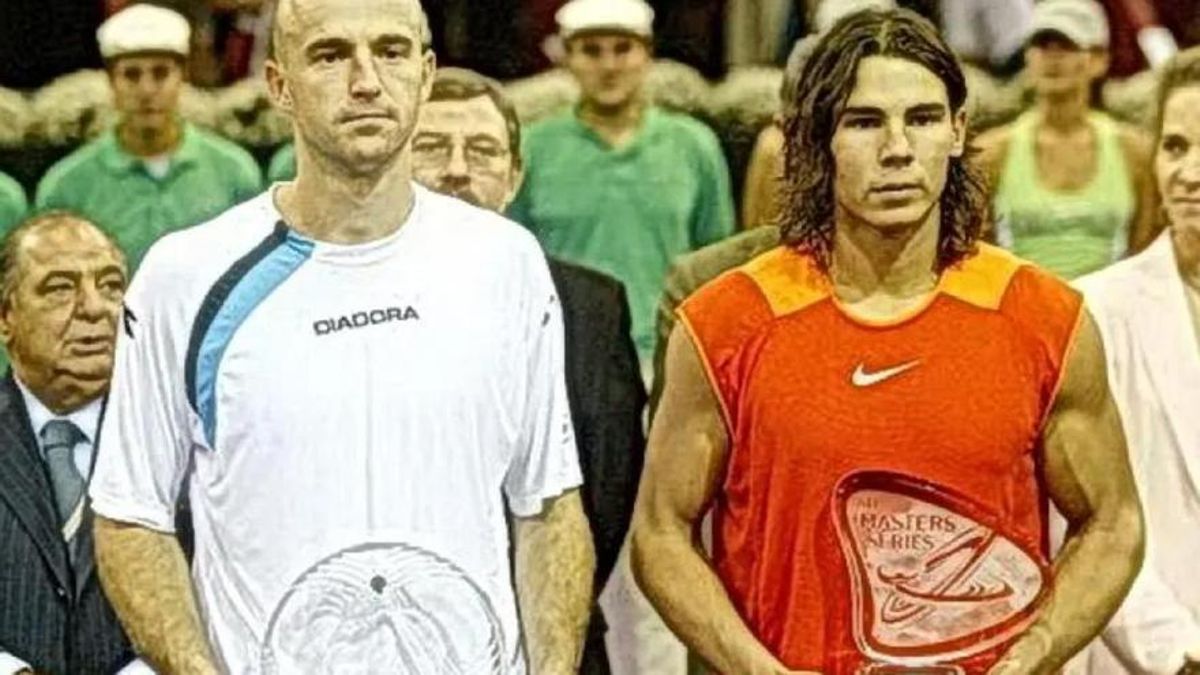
154 173
467 144
1148 312
616 184
12 202
61 285
1070 183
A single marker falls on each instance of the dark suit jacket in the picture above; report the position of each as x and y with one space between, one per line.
606 395
604 387
44 620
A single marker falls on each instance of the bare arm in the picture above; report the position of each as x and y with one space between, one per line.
762 191
146 579
555 561
1088 476
992 147
685 460
1146 224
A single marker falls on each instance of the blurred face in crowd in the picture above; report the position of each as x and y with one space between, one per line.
462 148
352 74
146 90
893 142
59 319
1177 162
1058 66
610 67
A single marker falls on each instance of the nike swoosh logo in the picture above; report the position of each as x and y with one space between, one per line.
861 378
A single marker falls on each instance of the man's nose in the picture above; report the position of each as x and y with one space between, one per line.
364 78
897 149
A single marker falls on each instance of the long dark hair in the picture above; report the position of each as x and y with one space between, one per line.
825 85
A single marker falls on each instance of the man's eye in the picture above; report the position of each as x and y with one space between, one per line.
485 150
924 120
862 123
1175 145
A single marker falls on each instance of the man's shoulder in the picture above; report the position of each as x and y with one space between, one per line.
595 290
220 149
692 270
199 252
476 231
551 128
682 127
80 165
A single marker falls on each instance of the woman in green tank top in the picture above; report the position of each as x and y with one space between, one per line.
1071 185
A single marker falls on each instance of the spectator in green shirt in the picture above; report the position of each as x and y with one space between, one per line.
12 203
617 184
153 173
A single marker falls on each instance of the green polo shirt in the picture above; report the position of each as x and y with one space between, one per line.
626 211
12 203
113 188
283 164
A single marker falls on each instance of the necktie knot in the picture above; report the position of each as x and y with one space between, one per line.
59 435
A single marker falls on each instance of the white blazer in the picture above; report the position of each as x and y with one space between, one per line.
1153 357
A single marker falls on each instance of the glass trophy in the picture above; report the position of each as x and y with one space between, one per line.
934 579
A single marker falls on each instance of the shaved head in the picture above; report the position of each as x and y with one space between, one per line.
292 15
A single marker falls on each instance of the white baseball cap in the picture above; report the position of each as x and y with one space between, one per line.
618 16
139 29
1080 21
829 12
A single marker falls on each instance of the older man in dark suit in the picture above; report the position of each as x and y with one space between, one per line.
467 144
61 285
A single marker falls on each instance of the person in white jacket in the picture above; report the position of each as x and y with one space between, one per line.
1148 311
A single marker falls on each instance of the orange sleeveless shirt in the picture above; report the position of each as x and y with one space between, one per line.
955 395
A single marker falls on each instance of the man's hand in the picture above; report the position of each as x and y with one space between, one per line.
555 561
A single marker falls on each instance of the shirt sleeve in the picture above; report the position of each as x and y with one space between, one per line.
10 665
146 440
712 217
546 463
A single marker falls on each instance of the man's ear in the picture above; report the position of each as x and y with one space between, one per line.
1100 62
277 87
959 124
428 73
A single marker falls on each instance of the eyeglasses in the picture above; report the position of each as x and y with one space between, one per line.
479 154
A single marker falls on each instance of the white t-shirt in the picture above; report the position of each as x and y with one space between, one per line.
355 418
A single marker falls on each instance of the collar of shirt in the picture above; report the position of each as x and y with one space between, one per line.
116 159
86 418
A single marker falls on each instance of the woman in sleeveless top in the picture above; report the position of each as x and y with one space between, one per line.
1071 185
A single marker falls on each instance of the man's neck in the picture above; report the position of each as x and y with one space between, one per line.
150 142
894 264
614 124
325 204
1187 255
1066 112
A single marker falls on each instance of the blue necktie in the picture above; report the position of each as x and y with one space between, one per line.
59 438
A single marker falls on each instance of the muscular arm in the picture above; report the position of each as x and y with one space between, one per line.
555 561
1088 476
146 579
685 460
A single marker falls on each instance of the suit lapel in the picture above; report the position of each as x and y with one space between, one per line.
1170 350
23 483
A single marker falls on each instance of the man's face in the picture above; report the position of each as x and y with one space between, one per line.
1056 65
352 73
60 322
893 143
610 68
1177 162
146 89
462 148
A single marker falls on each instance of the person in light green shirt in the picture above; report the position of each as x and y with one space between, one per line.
283 164
616 184
153 173
12 203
